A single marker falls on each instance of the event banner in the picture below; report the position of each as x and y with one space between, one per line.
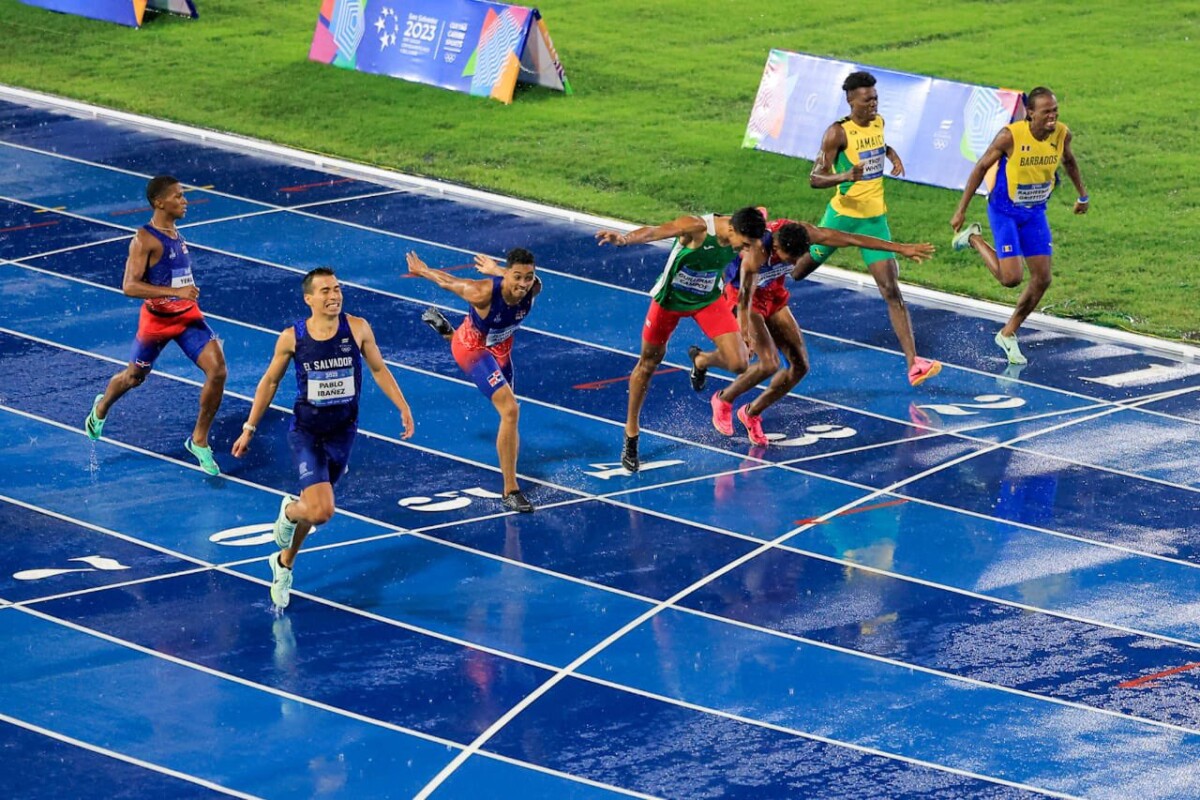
123 12
469 46
939 128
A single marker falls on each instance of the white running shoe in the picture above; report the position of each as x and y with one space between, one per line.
281 582
962 239
1009 345
285 529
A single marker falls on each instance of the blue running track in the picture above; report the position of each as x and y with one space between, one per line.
986 587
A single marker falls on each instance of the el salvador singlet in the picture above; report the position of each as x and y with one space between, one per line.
502 320
1026 178
328 379
174 269
771 272
862 198
691 279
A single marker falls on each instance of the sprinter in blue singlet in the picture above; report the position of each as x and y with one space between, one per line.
158 270
328 349
482 344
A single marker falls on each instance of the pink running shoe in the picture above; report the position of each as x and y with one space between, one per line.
753 427
922 370
722 415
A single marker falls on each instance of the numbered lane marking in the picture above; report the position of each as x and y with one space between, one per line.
615 470
812 435
984 402
95 564
453 502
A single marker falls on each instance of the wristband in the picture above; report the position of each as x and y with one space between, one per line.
1083 199
246 426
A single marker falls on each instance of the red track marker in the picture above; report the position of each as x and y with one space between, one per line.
859 510
30 225
607 381
304 187
1147 678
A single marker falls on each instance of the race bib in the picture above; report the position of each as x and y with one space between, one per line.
331 387
694 282
181 278
772 271
500 335
1033 193
872 163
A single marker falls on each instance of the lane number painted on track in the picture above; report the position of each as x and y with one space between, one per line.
983 402
615 470
245 535
248 535
812 434
95 564
455 499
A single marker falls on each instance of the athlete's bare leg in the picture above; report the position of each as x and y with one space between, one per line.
785 333
766 365
1039 282
130 377
1008 271
507 438
212 361
886 274
731 354
639 383
314 507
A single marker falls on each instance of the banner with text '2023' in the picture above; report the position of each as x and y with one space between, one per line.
466 45
940 128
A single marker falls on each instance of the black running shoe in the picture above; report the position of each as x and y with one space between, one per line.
699 374
437 320
515 501
629 454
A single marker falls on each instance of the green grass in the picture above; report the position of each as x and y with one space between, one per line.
662 94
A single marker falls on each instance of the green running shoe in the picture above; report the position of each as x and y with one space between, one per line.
285 529
203 455
281 582
93 426
1009 345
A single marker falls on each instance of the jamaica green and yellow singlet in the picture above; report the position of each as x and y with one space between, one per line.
864 144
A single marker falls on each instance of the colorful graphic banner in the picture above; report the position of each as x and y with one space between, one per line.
122 12
469 46
939 128
184 8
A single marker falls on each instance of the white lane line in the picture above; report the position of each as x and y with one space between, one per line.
673 601
113 754
617 492
767 631
786 464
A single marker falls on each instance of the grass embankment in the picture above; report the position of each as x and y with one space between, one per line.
663 93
